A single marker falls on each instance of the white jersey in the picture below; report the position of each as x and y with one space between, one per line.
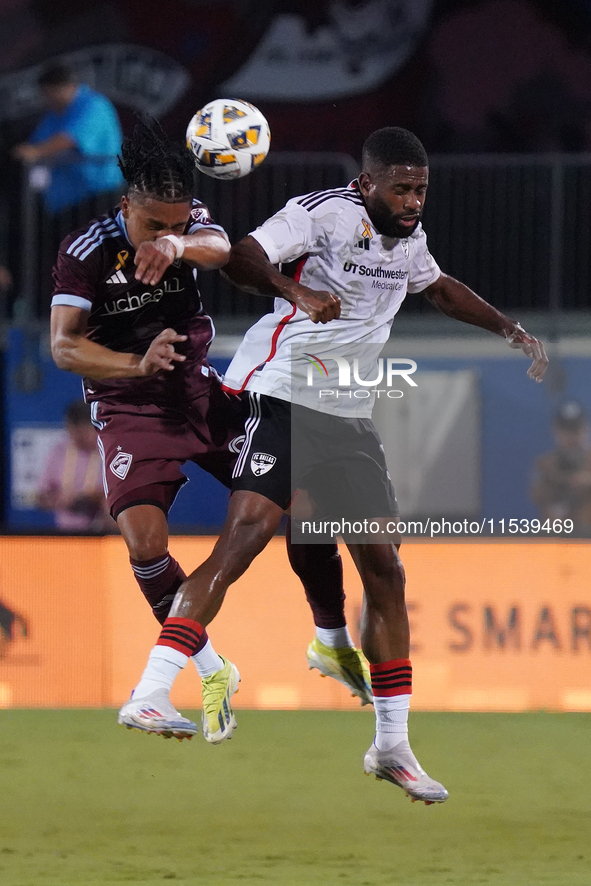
337 249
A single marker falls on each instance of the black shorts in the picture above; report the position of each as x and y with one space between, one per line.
338 461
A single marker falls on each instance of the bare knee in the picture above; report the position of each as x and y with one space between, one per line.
381 562
382 573
145 531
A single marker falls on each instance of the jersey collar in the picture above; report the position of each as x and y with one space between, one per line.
123 227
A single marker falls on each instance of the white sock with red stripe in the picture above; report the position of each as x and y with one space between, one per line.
179 640
391 683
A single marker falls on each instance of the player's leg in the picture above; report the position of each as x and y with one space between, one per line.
251 522
318 567
145 530
385 641
142 448
332 652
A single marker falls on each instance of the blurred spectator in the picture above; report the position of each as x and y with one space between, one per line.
5 286
72 482
5 279
79 127
561 486
9 621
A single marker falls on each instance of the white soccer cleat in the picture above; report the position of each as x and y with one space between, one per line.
218 719
156 714
400 767
346 664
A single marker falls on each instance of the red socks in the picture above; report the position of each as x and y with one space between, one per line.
183 634
391 678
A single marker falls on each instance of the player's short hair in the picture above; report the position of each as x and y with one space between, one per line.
78 413
57 74
393 146
155 166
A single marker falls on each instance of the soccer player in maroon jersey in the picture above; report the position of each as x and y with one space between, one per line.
127 315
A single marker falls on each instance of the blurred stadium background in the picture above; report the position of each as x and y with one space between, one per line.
500 93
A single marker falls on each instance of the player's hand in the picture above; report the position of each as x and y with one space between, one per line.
161 353
532 348
319 305
152 259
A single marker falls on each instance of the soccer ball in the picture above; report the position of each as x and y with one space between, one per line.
229 138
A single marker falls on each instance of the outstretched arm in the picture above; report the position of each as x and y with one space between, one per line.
458 301
250 270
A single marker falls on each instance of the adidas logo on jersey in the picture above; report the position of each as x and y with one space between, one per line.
366 236
118 277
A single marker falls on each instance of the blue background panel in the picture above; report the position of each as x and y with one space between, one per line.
516 426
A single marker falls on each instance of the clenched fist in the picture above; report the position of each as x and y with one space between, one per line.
152 259
319 305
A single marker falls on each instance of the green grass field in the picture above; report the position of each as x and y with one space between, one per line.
286 803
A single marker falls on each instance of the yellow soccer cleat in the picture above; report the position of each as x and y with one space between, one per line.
218 719
346 664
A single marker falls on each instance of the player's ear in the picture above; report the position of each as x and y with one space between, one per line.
365 183
125 206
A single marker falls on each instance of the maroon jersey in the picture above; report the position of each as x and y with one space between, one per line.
95 271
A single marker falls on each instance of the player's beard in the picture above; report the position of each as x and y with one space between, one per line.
387 224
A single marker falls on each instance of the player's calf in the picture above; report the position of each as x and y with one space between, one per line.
159 579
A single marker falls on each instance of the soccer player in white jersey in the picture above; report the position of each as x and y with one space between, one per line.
333 247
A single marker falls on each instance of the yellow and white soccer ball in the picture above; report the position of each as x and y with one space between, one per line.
229 138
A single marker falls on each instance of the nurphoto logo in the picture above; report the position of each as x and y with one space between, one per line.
387 370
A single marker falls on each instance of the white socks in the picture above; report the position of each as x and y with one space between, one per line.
207 661
335 638
391 721
164 666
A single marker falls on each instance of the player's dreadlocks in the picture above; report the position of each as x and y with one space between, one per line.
155 166
393 146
